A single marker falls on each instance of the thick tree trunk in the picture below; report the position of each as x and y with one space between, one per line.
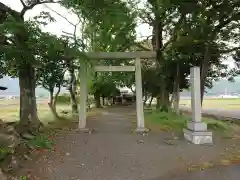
73 101
29 121
97 99
157 43
176 102
204 71
165 100
158 105
176 93
176 99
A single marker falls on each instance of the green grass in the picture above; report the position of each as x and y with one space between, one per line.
10 112
41 141
164 121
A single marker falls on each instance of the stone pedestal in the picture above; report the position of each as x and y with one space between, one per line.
198 137
141 130
196 131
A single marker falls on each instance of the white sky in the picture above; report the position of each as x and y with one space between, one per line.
62 25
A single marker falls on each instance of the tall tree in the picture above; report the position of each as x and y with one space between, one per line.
16 42
110 27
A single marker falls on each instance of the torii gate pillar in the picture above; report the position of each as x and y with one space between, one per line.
139 97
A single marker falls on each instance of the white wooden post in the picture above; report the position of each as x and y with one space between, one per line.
139 97
196 131
83 97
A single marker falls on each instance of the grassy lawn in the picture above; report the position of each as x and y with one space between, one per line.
9 111
161 121
228 104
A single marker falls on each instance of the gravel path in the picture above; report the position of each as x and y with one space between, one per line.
113 152
221 173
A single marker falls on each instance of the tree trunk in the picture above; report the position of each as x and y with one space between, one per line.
150 102
73 101
53 101
145 98
204 71
72 87
97 99
176 102
176 98
29 121
166 102
158 105
103 100
157 43
176 92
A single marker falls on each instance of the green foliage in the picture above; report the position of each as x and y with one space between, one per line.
41 141
24 178
168 121
104 88
63 99
4 152
110 26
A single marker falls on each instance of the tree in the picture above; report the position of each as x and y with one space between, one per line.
196 30
211 25
18 50
110 26
50 74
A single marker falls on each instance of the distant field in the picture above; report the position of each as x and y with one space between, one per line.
221 103
9 110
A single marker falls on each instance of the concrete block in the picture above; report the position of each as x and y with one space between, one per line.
197 126
141 130
204 137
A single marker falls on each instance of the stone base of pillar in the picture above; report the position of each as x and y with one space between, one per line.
197 126
141 130
85 130
198 137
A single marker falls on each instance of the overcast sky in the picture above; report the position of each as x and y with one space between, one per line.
62 25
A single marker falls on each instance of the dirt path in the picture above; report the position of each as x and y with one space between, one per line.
113 152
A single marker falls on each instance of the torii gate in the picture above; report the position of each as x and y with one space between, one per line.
138 77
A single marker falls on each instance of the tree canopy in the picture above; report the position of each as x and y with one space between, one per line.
184 34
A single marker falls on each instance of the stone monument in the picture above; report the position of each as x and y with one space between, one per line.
196 131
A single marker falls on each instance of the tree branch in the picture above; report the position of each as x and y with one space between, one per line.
229 50
226 22
24 5
142 47
38 2
174 36
60 15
